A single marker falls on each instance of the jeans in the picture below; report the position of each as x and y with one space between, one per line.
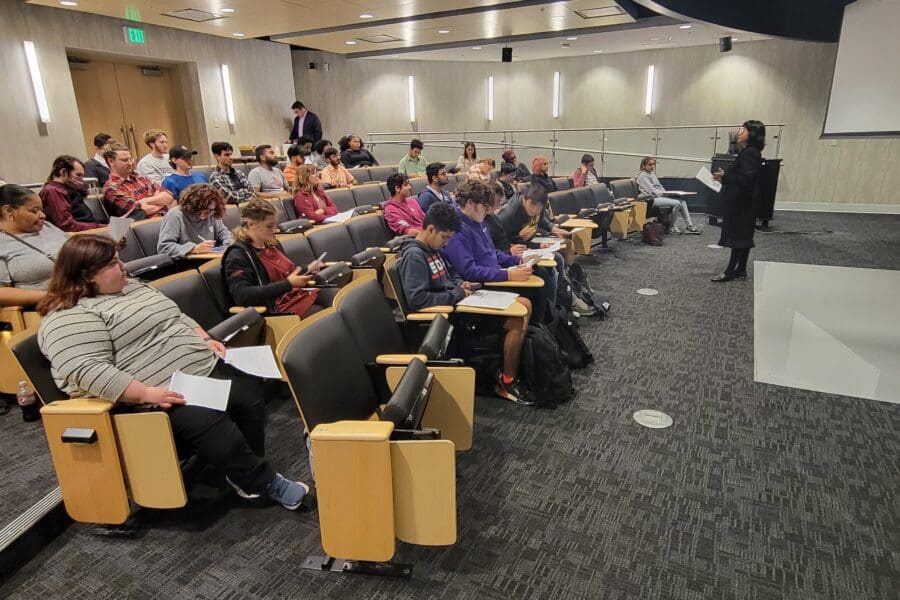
677 206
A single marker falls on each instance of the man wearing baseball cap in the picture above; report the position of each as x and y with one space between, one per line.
182 160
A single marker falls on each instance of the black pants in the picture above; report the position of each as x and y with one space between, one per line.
737 264
233 441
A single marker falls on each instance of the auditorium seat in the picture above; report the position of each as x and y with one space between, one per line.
296 247
583 198
563 203
562 183
136 262
361 174
451 184
418 185
232 218
97 210
342 198
147 234
334 239
367 194
368 231
203 170
385 195
450 165
382 173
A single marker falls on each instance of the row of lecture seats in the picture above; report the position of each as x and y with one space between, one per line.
361 174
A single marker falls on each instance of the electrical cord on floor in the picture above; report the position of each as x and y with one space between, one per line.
813 232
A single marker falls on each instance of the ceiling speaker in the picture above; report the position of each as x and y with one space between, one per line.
725 44
506 55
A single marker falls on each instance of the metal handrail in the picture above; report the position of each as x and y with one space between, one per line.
645 127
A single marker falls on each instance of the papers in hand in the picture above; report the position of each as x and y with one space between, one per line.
545 240
118 226
255 360
341 216
201 391
489 299
541 253
706 179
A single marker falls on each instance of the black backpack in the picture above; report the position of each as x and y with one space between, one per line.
581 287
543 369
574 351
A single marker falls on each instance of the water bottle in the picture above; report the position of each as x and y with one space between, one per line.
28 402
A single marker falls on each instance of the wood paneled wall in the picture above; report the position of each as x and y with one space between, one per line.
774 81
260 72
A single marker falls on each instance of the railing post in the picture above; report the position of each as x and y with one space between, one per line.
553 141
656 144
778 143
602 150
715 142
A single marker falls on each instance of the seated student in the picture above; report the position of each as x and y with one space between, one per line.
310 199
114 338
650 187
468 158
155 164
401 212
28 247
195 225
96 166
436 173
257 273
413 163
539 173
354 153
228 180
63 196
128 194
318 156
182 160
428 282
507 179
482 169
267 180
586 174
295 159
522 172
335 174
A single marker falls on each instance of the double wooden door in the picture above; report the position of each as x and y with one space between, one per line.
123 101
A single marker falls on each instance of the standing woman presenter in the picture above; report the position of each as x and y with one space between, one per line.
739 187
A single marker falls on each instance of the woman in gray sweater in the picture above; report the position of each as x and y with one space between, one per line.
195 225
117 339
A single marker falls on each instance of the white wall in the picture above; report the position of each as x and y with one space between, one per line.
260 73
773 81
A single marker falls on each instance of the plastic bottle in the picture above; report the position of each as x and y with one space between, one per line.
28 402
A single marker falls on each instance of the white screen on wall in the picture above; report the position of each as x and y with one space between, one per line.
865 91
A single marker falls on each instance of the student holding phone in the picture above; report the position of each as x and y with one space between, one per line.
256 271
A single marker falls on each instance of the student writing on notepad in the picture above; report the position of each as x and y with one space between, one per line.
428 281
117 339
195 226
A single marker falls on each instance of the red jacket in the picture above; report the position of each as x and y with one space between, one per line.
307 205
59 204
400 217
579 178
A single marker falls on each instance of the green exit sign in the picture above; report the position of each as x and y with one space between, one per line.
133 35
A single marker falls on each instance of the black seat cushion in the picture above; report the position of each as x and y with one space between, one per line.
408 402
334 240
370 232
190 292
37 367
342 198
368 314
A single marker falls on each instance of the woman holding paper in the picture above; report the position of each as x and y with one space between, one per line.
739 199
28 247
649 188
117 339
310 199
195 225
258 273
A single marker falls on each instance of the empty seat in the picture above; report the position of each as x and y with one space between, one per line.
563 203
381 173
367 194
147 234
601 194
131 248
562 183
368 231
418 185
583 198
334 239
96 207
624 188
342 198
385 195
361 175
450 165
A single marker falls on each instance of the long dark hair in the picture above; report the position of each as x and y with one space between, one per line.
79 259
474 150
756 134
62 163
13 195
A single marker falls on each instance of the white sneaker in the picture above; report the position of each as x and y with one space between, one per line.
582 307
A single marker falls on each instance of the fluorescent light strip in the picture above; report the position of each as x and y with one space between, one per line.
490 107
411 84
648 99
556 95
229 100
36 82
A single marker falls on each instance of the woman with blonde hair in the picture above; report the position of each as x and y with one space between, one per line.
256 271
310 199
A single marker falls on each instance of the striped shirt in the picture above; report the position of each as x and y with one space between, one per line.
100 345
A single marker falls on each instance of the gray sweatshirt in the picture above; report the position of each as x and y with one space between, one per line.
180 233
649 186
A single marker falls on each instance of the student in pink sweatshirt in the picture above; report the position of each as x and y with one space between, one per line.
402 212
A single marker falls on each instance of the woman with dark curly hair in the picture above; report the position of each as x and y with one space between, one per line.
195 225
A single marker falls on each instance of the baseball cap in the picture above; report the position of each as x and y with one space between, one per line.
180 152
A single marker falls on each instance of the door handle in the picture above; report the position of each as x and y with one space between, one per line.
133 139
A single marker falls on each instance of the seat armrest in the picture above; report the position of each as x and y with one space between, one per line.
398 359
235 324
239 309
78 406
438 309
423 316
139 266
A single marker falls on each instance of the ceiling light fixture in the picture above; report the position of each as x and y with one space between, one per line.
598 51
734 39
556 95
227 11
411 97
685 26
68 3
648 99
443 31
490 98
37 83
350 42
366 16
229 100
237 34
572 38
558 17
476 48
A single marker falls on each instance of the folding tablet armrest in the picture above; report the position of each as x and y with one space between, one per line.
428 313
139 266
436 339
295 226
239 309
233 325
533 281
516 309
398 359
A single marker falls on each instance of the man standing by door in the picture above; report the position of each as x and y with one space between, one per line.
306 124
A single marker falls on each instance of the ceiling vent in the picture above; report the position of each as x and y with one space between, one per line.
597 13
192 14
380 39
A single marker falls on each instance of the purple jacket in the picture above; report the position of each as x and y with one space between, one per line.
473 255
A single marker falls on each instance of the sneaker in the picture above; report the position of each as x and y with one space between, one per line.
287 493
514 392
674 229
240 491
582 307
690 229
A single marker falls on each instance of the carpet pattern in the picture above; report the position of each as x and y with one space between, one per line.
756 491
25 466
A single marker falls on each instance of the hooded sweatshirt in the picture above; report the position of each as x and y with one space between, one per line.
427 280
472 254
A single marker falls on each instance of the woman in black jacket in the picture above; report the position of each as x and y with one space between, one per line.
256 272
354 153
739 191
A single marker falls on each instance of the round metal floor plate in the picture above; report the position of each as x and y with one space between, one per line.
647 292
653 419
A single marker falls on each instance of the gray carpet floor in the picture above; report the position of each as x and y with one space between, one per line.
755 492
25 466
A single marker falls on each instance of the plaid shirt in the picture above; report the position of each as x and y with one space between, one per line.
121 196
236 189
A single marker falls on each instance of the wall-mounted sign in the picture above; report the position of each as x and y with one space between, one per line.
133 35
